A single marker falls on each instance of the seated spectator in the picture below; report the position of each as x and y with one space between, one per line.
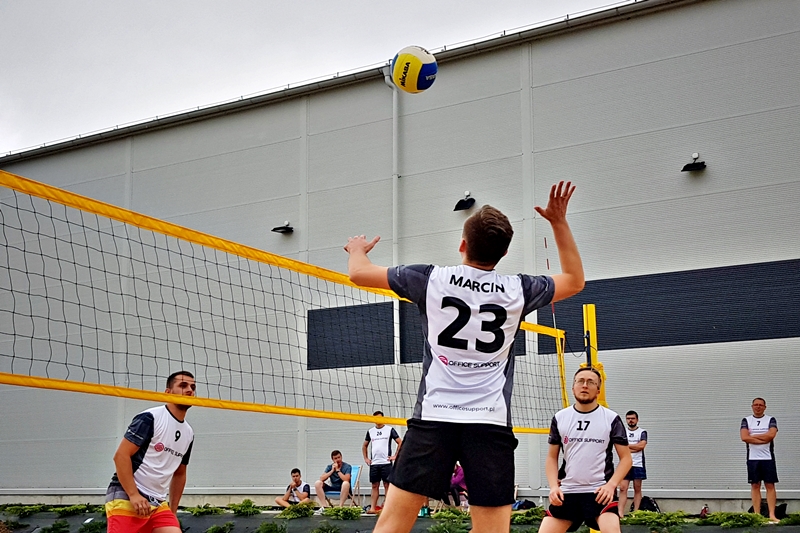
296 492
336 478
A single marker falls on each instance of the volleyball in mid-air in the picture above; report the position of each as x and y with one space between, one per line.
413 69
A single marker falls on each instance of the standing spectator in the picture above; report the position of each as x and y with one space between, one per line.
337 475
380 464
296 492
584 489
637 440
758 432
457 484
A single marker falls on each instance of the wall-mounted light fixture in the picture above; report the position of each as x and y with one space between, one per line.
465 203
286 228
695 165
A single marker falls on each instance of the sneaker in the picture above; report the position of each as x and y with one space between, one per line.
319 511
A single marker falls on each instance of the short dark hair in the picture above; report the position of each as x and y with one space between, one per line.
174 375
296 471
487 234
334 453
589 369
634 413
762 399
376 413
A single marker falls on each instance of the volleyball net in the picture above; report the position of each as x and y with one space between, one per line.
98 299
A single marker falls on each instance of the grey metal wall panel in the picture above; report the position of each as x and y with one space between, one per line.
426 200
47 432
350 156
334 215
222 135
690 233
461 134
353 106
78 166
251 224
668 34
691 399
230 179
689 89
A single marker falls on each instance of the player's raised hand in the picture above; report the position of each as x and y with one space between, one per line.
556 209
359 244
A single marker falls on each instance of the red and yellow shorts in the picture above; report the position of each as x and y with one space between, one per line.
122 518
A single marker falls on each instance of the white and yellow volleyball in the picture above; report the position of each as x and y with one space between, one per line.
413 69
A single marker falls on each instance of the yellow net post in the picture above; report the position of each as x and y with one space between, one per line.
590 343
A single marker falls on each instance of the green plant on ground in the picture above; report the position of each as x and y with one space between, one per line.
72 510
95 526
271 527
528 517
204 510
300 510
59 526
325 527
791 520
450 513
227 527
24 511
529 530
246 508
656 522
11 525
731 520
343 513
449 526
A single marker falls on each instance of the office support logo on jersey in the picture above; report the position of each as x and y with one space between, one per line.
159 447
567 440
469 364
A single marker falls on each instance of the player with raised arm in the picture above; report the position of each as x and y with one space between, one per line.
470 316
584 489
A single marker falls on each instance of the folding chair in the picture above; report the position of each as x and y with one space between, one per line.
355 489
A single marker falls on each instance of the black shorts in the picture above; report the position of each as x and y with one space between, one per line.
430 450
762 470
636 472
582 507
378 473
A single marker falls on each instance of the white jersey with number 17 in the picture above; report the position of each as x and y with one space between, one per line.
470 318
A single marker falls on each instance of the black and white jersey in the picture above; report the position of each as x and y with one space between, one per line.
587 440
469 320
759 426
635 436
381 439
164 443
303 487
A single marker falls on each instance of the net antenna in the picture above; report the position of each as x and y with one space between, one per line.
102 300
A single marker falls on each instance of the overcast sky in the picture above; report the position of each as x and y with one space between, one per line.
70 67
